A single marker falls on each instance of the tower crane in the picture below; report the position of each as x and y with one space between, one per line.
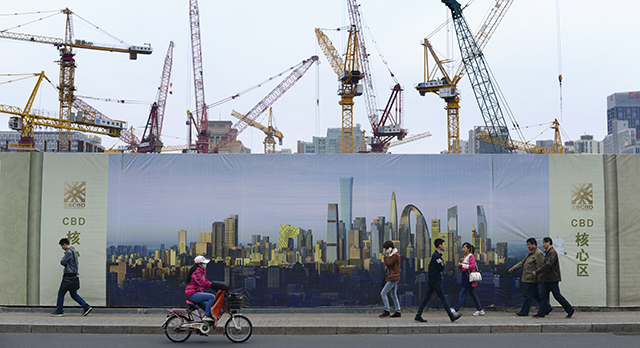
388 126
481 83
446 87
151 141
348 76
558 148
67 64
25 121
200 121
265 103
270 131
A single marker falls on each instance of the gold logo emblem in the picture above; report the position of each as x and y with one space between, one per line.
75 193
582 197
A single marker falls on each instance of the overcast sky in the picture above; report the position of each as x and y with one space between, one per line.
244 42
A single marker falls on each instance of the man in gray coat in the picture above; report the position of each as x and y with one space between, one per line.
70 263
550 272
530 264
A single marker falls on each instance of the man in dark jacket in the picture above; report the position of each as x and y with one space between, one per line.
70 263
434 283
550 272
530 263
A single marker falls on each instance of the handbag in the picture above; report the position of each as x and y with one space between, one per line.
475 277
71 283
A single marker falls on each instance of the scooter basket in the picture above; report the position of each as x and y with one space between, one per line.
235 301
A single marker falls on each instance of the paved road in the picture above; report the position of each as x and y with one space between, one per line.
520 340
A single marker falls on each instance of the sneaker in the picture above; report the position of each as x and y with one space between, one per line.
57 314
570 314
206 318
419 318
396 315
455 317
478 313
87 311
453 311
384 314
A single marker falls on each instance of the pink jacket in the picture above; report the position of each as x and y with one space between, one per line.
469 266
197 283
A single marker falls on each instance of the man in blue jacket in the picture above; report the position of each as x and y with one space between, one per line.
434 283
70 263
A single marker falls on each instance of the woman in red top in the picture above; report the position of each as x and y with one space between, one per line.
195 283
467 266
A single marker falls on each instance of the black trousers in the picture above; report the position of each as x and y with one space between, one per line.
437 288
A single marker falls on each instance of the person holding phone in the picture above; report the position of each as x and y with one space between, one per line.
392 270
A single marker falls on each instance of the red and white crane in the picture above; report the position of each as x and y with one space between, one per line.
151 141
265 103
200 119
388 126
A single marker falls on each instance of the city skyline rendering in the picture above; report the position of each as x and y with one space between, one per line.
151 200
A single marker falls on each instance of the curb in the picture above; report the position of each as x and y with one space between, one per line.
341 330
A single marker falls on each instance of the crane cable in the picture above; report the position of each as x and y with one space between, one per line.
33 21
559 36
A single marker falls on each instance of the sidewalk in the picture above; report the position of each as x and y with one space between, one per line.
322 321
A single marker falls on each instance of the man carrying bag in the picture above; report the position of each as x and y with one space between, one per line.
70 281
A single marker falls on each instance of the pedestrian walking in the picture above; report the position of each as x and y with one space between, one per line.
468 265
434 283
550 272
392 271
531 262
70 281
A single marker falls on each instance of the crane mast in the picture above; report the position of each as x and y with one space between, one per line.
481 83
265 103
151 141
201 120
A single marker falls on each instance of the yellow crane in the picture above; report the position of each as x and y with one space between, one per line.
65 47
270 131
348 75
24 121
558 148
445 86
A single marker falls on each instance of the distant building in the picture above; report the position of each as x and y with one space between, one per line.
48 141
332 142
623 107
586 144
217 129
621 137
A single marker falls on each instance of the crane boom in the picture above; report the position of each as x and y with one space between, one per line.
334 58
151 141
269 131
487 29
91 114
266 102
27 120
201 119
481 82
558 148
369 92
